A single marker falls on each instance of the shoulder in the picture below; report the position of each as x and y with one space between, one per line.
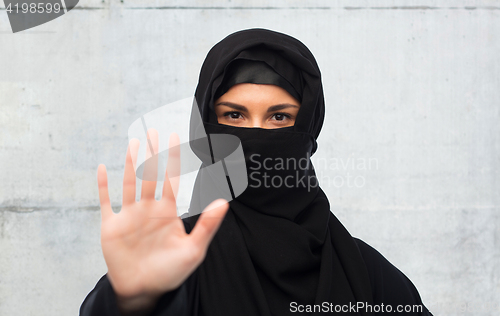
182 301
389 285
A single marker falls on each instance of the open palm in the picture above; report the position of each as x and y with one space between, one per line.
145 245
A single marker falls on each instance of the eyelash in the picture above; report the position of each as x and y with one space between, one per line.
227 114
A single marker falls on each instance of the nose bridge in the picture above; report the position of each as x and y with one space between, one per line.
256 121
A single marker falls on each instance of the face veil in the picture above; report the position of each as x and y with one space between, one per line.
278 244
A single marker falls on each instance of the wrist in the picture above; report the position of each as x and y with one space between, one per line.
137 305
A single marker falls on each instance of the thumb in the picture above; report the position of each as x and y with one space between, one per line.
208 223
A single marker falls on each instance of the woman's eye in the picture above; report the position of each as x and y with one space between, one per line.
281 116
233 115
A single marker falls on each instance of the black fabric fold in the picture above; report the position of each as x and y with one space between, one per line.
253 71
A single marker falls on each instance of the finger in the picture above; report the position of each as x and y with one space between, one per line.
150 174
173 167
208 223
102 184
129 178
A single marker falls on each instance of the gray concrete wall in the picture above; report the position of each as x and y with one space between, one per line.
412 90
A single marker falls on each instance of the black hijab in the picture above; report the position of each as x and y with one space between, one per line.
279 243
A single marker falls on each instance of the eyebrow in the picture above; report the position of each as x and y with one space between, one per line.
243 108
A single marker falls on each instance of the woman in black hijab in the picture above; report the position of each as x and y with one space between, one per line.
279 249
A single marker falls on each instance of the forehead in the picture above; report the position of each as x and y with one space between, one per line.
250 93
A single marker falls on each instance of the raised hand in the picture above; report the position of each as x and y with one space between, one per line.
145 246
